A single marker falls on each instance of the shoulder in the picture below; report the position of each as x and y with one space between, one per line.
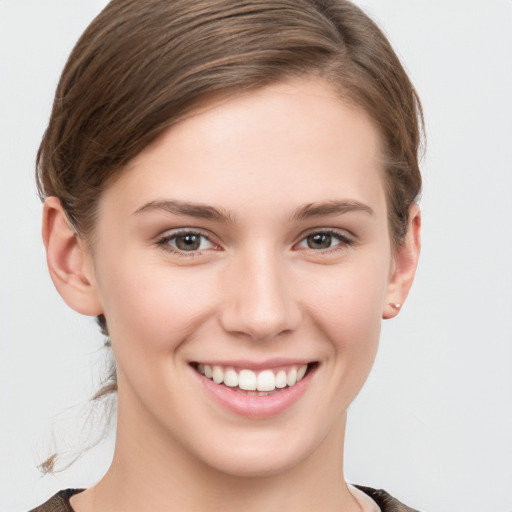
59 502
385 501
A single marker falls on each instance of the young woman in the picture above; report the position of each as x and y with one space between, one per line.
230 189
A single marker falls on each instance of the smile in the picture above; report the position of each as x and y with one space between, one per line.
256 391
246 381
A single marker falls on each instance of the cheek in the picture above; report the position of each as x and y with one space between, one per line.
348 299
151 315
347 307
154 308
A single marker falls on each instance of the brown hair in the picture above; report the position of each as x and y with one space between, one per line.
142 65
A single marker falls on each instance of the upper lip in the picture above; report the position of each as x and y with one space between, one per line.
256 365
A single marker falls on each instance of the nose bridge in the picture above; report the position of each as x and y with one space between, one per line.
261 303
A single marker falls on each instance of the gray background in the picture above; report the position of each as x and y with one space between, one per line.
434 423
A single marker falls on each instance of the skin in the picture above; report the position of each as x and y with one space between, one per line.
255 290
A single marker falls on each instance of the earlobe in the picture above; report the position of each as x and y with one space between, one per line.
405 262
69 261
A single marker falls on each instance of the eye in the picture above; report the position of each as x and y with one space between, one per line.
325 240
186 241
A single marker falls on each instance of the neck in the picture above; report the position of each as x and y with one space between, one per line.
150 471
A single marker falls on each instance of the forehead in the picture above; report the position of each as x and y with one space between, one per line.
291 142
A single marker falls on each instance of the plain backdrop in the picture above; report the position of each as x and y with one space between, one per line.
433 424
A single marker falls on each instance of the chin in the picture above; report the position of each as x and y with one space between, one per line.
255 465
263 454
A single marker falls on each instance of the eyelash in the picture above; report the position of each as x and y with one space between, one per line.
165 240
343 242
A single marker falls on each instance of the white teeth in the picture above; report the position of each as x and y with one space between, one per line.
266 381
217 374
247 380
262 383
231 378
292 377
255 393
301 372
281 379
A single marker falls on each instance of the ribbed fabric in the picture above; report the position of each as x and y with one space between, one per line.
385 501
60 502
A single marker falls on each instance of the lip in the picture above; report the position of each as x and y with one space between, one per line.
269 364
252 406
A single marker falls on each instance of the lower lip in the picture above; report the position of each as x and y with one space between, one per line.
254 406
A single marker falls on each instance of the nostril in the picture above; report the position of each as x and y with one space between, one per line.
260 304
259 326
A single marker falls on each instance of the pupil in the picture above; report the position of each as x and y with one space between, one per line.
319 241
189 242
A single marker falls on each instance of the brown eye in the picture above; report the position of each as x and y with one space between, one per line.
319 241
188 242
325 241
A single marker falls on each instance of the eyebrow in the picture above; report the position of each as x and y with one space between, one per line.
202 211
334 207
198 210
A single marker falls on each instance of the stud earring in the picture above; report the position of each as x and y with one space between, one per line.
396 306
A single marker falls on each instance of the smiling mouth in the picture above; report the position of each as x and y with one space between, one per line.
258 383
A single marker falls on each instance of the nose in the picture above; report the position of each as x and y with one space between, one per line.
259 298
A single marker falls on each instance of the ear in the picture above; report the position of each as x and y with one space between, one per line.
405 261
69 260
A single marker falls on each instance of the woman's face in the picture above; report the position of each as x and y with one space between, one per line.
251 237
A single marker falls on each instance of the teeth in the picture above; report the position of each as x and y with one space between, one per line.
217 374
263 383
266 381
256 393
247 380
291 378
281 379
231 378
